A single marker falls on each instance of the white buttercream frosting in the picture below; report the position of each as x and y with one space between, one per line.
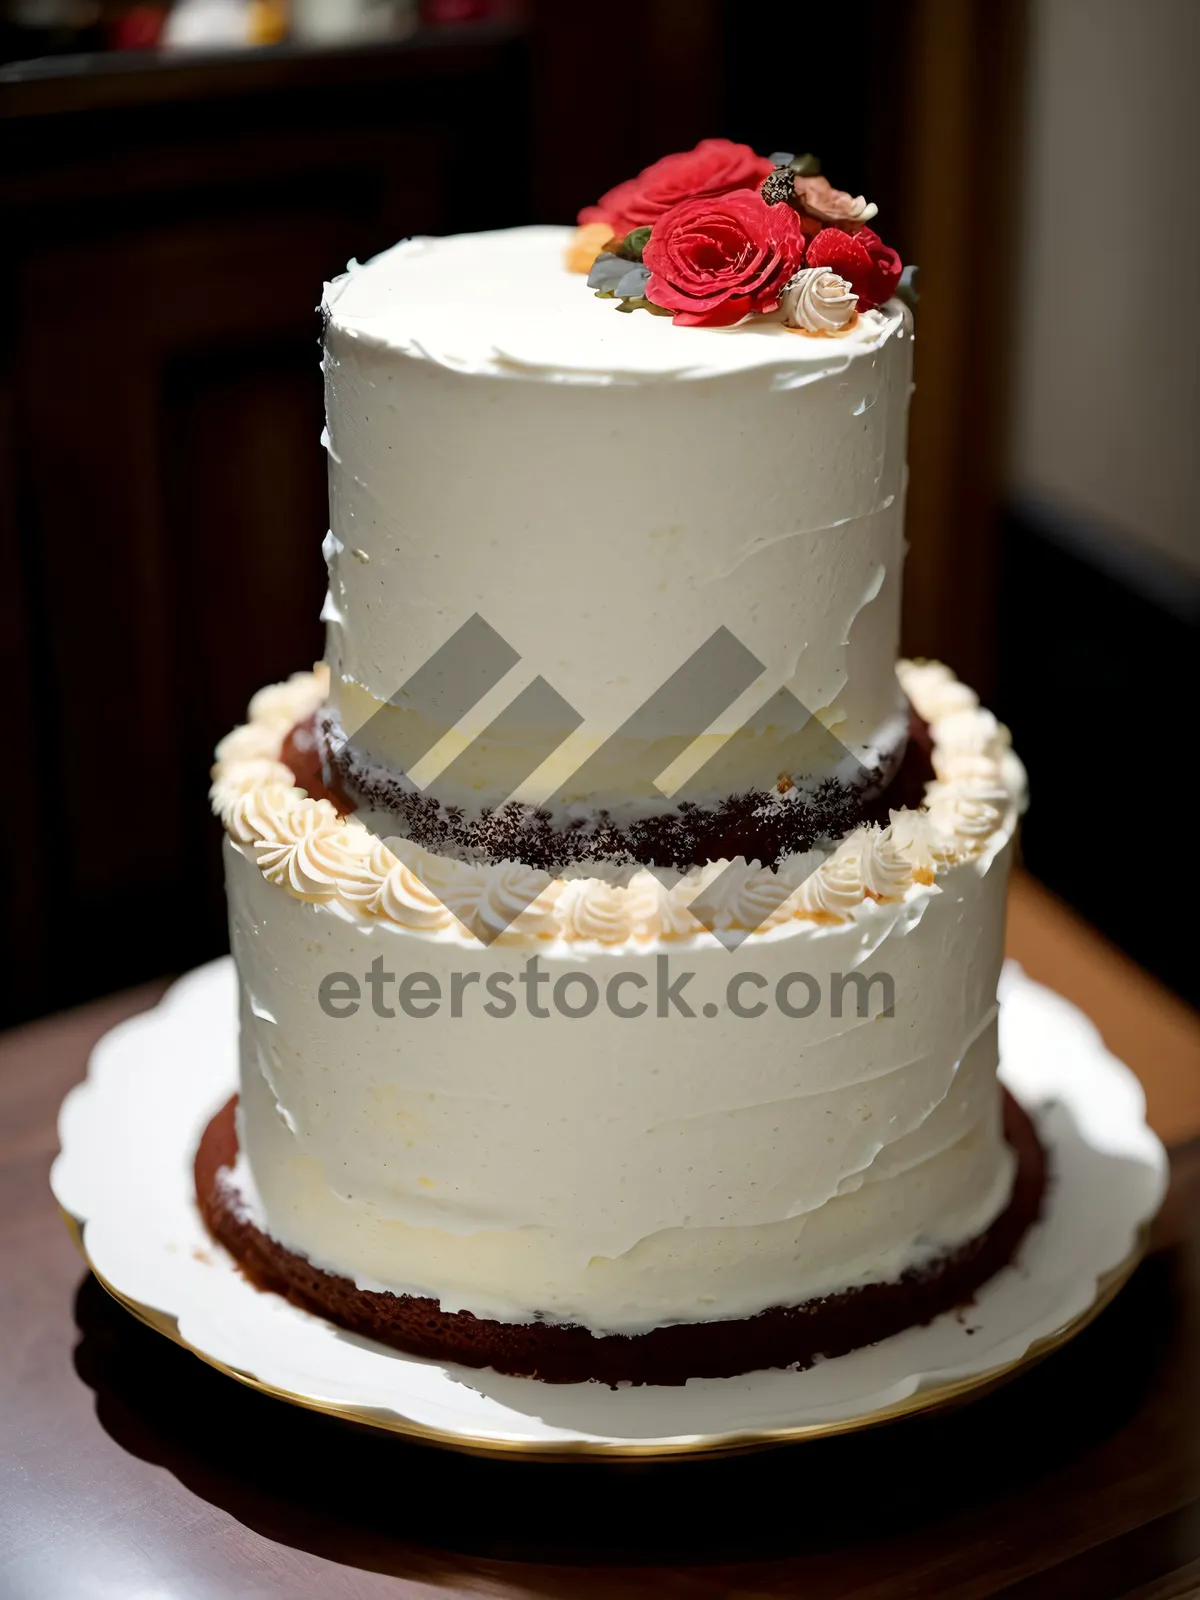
745 897
970 810
595 911
308 853
518 454
922 844
262 810
934 690
617 1170
626 1170
763 1159
238 779
421 298
887 871
381 885
256 740
837 888
284 704
512 901
659 910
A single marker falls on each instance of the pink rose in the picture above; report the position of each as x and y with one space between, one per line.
821 200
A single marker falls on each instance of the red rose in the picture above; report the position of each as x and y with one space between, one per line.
715 166
714 261
872 268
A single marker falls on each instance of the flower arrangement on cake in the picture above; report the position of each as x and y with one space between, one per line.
718 234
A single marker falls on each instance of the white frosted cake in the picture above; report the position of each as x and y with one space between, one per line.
618 923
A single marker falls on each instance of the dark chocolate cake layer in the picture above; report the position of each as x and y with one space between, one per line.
761 827
791 1336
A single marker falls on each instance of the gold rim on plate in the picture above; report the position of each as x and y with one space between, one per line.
937 1398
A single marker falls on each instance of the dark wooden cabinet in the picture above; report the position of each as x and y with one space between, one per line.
168 233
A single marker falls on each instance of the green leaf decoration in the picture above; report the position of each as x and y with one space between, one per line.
631 246
640 303
906 289
633 302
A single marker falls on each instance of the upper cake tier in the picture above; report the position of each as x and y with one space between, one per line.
606 492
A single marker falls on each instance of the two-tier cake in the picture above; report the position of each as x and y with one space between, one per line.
617 922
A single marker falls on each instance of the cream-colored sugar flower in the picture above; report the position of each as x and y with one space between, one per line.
818 301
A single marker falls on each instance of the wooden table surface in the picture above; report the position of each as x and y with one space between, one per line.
128 1468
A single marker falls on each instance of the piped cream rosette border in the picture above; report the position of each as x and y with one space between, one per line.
302 845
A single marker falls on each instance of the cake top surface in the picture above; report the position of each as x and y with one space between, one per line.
504 304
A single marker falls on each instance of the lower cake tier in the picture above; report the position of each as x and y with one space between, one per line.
783 1336
580 1112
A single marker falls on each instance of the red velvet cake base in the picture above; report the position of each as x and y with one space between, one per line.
785 1336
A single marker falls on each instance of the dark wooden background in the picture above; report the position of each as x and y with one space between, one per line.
162 497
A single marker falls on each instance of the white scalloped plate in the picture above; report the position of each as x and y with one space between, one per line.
124 1180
